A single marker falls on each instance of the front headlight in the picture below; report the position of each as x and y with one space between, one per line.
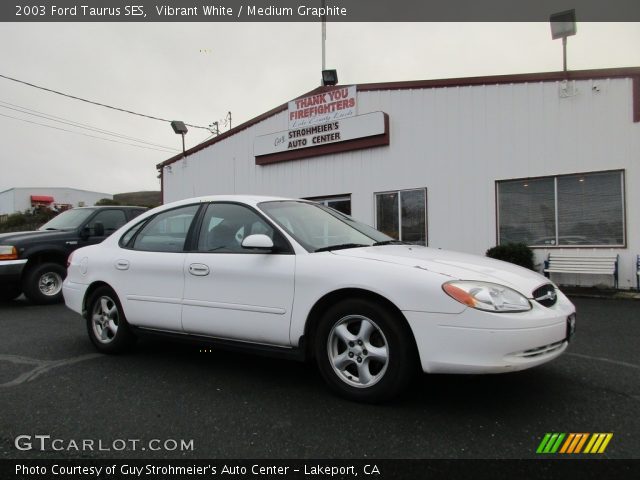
8 252
490 297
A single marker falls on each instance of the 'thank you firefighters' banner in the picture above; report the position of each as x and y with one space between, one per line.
325 107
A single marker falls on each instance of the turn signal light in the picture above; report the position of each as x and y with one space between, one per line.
8 252
69 258
460 295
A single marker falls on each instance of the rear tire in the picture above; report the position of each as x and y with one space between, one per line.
364 351
42 283
106 323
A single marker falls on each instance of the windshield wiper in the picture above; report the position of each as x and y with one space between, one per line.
341 246
391 242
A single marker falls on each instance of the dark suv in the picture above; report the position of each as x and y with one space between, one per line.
34 263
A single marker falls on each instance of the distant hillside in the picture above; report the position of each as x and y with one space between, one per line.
146 199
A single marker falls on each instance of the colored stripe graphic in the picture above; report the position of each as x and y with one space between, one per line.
581 442
598 443
574 442
567 443
543 443
550 443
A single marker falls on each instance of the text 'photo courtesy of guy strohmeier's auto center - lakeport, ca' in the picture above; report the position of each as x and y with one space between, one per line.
320 240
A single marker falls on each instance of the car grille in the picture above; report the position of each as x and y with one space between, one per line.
535 352
546 295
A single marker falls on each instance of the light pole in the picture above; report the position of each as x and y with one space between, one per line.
563 25
181 129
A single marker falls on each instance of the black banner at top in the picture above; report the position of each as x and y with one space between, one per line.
314 10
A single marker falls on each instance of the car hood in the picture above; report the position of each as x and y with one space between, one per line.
455 265
16 237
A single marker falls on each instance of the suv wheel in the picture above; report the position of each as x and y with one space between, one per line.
106 324
364 352
43 283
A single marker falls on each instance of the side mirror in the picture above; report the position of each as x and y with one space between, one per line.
98 229
258 241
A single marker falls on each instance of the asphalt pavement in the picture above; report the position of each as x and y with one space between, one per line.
229 405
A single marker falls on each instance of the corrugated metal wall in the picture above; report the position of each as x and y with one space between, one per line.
456 142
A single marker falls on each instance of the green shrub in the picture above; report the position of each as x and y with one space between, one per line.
15 220
517 253
107 201
26 221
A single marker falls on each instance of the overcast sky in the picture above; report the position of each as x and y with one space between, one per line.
197 72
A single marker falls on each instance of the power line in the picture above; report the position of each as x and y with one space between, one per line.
95 103
83 134
73 123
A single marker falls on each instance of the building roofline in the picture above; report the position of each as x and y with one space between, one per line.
620 72
55 188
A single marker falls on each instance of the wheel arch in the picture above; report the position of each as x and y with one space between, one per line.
39 257
331 298
87 295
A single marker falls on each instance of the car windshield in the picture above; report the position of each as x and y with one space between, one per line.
319 228
68 220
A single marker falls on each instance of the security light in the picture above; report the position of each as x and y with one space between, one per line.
329 77
179 127
563 24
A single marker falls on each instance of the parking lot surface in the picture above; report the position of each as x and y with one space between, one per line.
229 405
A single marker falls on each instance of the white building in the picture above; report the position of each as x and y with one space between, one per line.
549 159
21 199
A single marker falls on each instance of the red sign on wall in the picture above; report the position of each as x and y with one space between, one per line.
334 104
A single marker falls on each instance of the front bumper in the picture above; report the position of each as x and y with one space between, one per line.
11 270
482 342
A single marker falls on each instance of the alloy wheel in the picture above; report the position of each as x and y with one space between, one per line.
358 351
105 319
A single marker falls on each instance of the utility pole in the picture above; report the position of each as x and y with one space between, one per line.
324 35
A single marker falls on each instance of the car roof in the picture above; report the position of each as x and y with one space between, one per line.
248 199
101 207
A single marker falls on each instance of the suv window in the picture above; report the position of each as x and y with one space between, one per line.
111 219
225 225
167 231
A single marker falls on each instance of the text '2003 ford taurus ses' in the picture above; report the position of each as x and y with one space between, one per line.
295 278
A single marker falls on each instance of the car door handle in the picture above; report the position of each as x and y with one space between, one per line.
198 269
122 264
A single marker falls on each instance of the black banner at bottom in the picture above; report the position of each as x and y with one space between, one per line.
543 469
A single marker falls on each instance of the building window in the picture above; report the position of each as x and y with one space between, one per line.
585 209
342 203
403 215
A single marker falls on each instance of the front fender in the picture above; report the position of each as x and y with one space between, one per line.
408 288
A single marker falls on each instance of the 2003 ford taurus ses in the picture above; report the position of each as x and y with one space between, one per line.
295 278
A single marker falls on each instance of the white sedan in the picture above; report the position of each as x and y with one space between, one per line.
294 278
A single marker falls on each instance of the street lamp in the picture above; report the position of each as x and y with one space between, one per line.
181 129
563 25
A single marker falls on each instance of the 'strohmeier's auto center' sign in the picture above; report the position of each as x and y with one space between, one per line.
359 126
322 107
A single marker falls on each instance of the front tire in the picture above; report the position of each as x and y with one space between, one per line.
364 351
106 323
43 283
